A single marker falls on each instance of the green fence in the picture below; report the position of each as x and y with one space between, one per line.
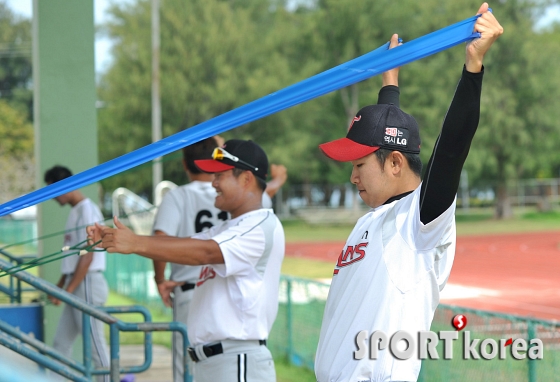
133 276
484 325
16 231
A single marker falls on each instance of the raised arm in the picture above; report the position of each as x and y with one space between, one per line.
443 172
390 92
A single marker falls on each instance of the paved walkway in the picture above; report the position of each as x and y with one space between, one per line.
131 355
160 371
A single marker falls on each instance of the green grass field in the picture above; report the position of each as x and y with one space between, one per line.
475 222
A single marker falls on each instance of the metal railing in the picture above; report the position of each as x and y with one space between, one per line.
48 357
14 290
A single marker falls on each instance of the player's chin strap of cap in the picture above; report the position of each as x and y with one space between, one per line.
211 350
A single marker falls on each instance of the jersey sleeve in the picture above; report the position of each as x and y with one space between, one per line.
168 216
423 236
242 246
411 249
443 172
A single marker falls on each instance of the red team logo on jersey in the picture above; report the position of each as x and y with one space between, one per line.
206 273
351 255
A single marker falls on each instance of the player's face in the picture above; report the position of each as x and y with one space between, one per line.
229 191
372 181
61 199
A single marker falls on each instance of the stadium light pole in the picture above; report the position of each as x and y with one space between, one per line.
157 168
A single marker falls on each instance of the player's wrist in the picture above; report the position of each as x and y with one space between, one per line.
159 279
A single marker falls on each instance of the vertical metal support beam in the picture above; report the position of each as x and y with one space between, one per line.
65 118
187 375
86 335
115 350
532 364
289 319
157 169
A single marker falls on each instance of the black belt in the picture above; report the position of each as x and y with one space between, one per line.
187 286
211 350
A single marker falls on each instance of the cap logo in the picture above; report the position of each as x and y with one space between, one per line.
391 131
395 136
355 119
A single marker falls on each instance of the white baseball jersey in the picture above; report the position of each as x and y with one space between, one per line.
185 211
388 277
81 215
238 300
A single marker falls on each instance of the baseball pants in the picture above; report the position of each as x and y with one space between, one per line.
94 291
241 361
181 302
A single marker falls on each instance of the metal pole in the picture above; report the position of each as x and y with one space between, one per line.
157 169
86 338
532 364
289 320
115 352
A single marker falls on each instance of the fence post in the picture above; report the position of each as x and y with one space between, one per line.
114 341
86 343
532 364
289 318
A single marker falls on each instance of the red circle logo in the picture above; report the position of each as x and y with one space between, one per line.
459 322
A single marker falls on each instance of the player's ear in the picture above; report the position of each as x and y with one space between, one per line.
252 180
396 161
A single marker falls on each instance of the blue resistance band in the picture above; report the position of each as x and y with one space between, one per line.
356 70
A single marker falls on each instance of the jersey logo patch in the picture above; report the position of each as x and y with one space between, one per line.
350 255
206 273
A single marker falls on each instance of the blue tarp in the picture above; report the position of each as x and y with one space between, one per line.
358 69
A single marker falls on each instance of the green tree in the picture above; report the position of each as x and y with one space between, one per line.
212 60
217 55
16 153
15 60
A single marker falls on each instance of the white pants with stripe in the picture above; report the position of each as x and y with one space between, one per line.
94 291
181 302
241 361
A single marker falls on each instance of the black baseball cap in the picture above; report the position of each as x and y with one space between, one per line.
237 153
375 127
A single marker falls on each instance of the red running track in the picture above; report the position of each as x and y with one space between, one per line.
520 272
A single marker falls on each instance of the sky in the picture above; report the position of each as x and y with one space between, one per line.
103 44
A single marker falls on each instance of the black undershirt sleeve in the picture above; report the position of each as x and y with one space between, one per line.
443 172
389 94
